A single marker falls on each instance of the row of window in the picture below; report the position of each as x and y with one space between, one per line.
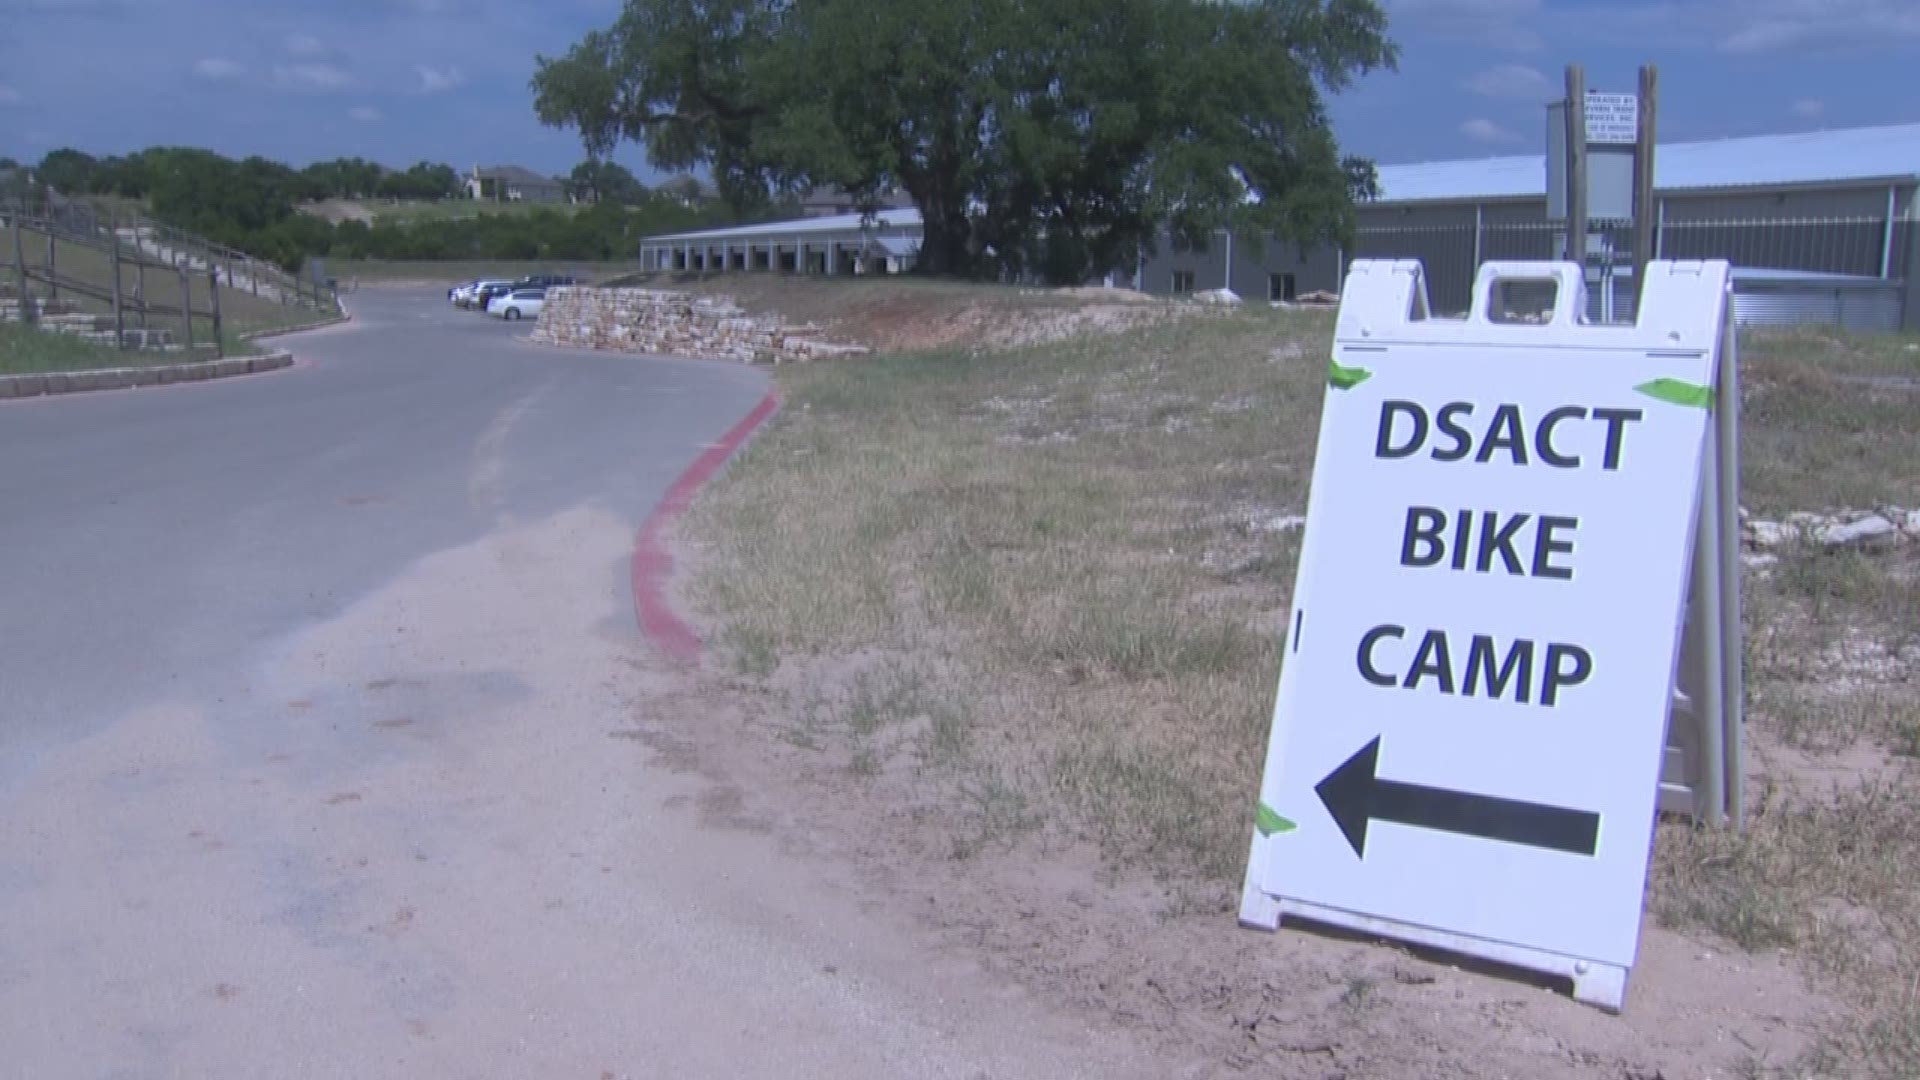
1279 286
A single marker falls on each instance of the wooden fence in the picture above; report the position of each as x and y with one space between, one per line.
133 277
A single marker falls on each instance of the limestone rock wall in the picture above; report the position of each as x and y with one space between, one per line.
676 324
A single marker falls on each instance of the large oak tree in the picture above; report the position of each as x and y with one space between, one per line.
1049 136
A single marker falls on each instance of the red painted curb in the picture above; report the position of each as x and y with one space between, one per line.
653 563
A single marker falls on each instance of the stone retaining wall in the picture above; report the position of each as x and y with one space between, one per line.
676 324
68 382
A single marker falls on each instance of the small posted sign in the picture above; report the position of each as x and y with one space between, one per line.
1613 119
1468 735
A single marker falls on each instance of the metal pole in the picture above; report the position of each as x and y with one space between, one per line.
20 272
53 290
140 289
186 306
1478 221
213 298
1726 418
1606 283
119 309
1709 708
1660 229
1577 168
1886 237
1643 228
1229 273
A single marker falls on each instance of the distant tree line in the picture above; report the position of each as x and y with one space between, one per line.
146 173
253 205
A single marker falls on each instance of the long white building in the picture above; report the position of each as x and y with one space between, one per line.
1820 225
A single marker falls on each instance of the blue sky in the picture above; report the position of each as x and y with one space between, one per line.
446 80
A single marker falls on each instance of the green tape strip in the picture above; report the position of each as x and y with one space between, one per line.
1346 378
1679 392
1269 822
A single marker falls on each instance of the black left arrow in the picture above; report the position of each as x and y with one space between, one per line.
1354 795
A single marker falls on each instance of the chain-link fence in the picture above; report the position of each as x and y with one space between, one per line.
1865 246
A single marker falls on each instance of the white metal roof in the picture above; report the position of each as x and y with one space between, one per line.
1808 157
1871 153
838 223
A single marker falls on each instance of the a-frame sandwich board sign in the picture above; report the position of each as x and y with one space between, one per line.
1471 724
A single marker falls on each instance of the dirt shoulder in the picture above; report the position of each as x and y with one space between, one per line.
1000 625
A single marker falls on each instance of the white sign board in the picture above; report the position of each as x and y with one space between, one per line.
1470 725
1609 172
1613 118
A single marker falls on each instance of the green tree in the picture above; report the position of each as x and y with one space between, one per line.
69 171
423 180
597 180
343 178
1052 136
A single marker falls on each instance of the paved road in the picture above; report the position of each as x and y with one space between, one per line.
325 743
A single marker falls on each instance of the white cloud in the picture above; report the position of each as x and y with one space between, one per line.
318 77
1499 24
8 95
366 114
305 45
217 67
1808 108
1512 81
1761 26
434 80
1480 129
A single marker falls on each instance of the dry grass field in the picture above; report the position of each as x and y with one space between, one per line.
1017 601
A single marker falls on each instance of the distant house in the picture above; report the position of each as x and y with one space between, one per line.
831 200
511 183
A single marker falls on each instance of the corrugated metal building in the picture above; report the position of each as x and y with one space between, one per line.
1821 225
1833 211
835 244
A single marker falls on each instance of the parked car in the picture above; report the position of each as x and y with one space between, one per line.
518 304
545 281
485 294
463 289
470 297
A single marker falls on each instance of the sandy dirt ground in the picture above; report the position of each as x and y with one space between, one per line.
1166 962
471 847
340 755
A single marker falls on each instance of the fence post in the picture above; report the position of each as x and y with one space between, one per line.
1478 220
213 298
1577 168
186 306
1886 237
20 272
1643 225
119 311
53 290
140 288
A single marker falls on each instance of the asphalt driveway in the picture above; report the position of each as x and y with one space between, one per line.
329 746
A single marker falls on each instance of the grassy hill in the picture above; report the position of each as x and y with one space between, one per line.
410 211
84 269
241 312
